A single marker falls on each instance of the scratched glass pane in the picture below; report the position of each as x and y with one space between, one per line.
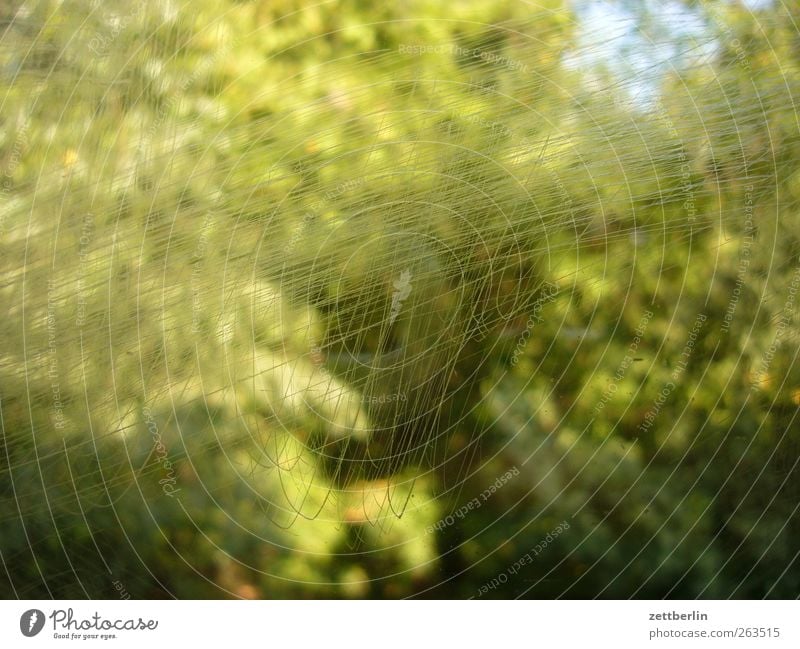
490 300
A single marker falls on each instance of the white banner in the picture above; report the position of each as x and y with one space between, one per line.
405 624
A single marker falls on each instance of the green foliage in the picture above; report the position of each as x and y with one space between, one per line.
288 285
